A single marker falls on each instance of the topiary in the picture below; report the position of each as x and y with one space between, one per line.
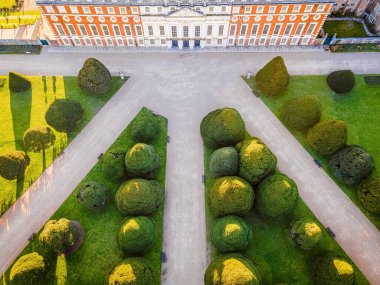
28 269
139 197
133 271
273 78
38 138
64 114
18 83
230 195
301 113
144 129
231 233
369 194
232 269
113 164
13 164
352 164
305 233
277 195
256 161
222 127
94 78
136 235
142 161
341 81
327 137
224 162
93 196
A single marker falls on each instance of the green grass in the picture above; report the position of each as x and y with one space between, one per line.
344 29
360 109
18 112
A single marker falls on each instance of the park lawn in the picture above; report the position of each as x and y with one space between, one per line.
344 29
18 112
360 109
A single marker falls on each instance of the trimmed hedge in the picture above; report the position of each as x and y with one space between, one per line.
142 161
93 196
64 114
144 129
273 78
301 113
136 235
369 194
18 83
305 233
139 197
276 196
256 161
113 164
230 195
224 162
94 78
222 127
28 269
352 164
13 164
231 233
232 269
38 138
327 137
341 81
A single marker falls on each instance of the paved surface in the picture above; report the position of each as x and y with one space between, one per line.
184 88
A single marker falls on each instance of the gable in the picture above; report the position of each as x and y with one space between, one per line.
186 12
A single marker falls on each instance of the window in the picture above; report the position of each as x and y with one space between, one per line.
284 9
251 41
243 30
123 10
288 29
159 10
220 41
120 42
231 41
224 9
127 29
296 8
266 29
247 9
151 42
135 10
236 10
185 31
211 9
71 29
254 30
262 41
98 10
321 8
272 9
208 41
88 42
94 30
241 42
150 30
116 30
197 8
260 9
83 30
49 9
221 30
109 42
141 42
67 42
163 41
294 41
138 30
309 8
60 29
110 10
197 31
131 42
232 30
162 30
300 28
273 41
77 42
86 10
311 28
147 9
105 29
305 41
98 42
277 29
61 9
283 41
174 31
209 30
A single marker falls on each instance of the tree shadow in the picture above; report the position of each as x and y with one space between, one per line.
45 88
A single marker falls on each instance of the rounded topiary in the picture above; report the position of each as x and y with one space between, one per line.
94 78
18 83
231 269
13 164
273 78
231 233
224 162
341 81
64 114
327 137
133 271
28 269
352 164
139 197
369 194
38 138
136 235
276 195
93 196
142 161
113 164
144 129
222 127
256 161
301 113
305 233
230 195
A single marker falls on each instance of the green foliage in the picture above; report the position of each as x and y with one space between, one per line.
231 233
224 162
256 161
139 197
369 194
341 81
13 164
273 78
18 83
61 270
301 113
230 195
352 164
113 164
28 269
136 235
222 127
63 115
38 138
276 196
93 196
327 137
305 233
94 78
133 271
144 129
142 161
232 269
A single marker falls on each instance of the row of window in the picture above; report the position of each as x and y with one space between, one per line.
266 29
276 9
92 30
87 10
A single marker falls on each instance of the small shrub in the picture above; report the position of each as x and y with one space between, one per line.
113 164
64 114
224 162
93 196
18 83
142 161
305 233
369 194
222 127
341 81
28 269
38 138
144 129
273 78
13 164
327 137
94 78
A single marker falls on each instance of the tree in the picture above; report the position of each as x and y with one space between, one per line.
369 194
28 269
13 164
64 114
93 196
224 162
341 81
273 78
145 128
94 78
142 161
38 138
305 233
18 83
113 164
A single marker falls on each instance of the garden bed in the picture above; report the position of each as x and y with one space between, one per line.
20 49
355 48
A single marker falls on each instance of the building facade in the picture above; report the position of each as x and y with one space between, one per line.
372 15
344 7
185 23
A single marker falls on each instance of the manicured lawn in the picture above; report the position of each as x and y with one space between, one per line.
344 29
18 112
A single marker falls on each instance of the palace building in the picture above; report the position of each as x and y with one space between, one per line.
185 23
